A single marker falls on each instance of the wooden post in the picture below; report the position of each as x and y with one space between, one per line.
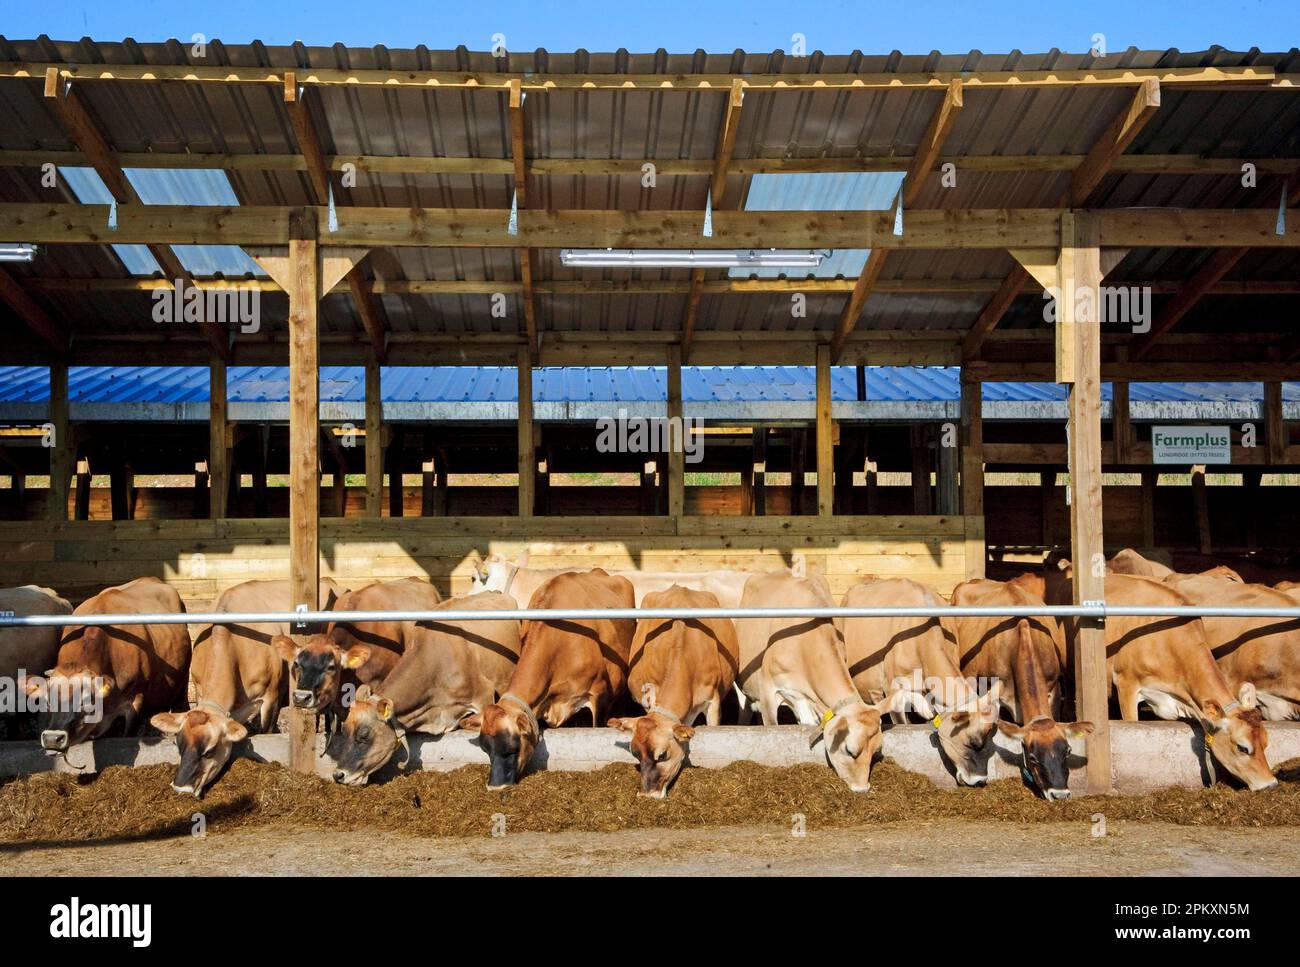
263 443
82 500
304 460
121 482
949 502
543 464
426 489
201 499
374 438
1121 429
395 454
972 449
218 440
1047 506
920 471
62 449
1150 480
649 489
759 482
798 464
676 437
1274 424
441 496
1079 357
825 437
527 448
1201 500
1250 480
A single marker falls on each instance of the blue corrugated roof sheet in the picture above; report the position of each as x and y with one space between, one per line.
479 384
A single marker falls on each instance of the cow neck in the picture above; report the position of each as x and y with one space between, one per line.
532 677
1204 679
676 692
1031 685
936 662
220 683
94 653
405 686
828 676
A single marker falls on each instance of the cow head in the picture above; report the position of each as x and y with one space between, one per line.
964 736
205 737
316 669
1236 738
852 736
660 744
367 739
73 700
508 732
495 574
1044 746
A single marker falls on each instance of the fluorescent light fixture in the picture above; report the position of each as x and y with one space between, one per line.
642 258
17 251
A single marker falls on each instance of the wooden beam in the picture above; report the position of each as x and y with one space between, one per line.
62 447
936 133
1121 426
1275 431
1114 141
1201 502
519 157
1150 481
676 442
758 481
75 118
921 488
81 500
218 440
825 435
1200 77
1082 268
1100 159
527 444
1151 164
374 438
51 224
32 314
717 191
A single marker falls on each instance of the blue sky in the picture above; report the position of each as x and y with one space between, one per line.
913 26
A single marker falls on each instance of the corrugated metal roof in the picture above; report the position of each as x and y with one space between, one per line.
657 124
628 384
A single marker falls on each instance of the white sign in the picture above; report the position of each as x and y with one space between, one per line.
1191 444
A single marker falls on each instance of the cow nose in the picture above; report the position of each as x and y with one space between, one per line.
183 790
1055 794
971 780
303 698
339 775
54 740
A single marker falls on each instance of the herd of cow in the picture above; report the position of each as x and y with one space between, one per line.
502 679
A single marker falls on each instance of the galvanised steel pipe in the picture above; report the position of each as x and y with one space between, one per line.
1095 611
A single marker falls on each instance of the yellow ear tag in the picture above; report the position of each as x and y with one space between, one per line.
825 719
1209 738
936 721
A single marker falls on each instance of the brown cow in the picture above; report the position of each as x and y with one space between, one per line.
679 670
1129 561
28 649
449 671
800 662
239 681
1166 663
1264 652
318 667
885 654
113 672
564 666
1025 655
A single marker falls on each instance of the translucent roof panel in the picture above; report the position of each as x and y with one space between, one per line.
822 191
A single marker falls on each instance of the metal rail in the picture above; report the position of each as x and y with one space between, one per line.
1097 611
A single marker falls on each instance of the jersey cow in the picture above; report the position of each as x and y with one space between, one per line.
25 650
448 672
1025 656
888 653
349 652
112 672
800 663
1165 662
564 666
239 681
1264 652
679 670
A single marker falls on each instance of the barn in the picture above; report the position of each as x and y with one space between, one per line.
373 312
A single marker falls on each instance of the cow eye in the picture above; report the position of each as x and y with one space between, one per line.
363 735
662 756
1243 748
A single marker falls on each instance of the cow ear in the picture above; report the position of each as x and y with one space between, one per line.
235 731
285 647
1247 696
356 656
362 693
105 686
249 711
473 722
169 722
623 725
384 708
684 733
33 685
1013 735
1077 730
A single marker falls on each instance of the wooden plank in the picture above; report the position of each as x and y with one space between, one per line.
1200 500
936 133
759 473
374 438
972 451
976 556
1150 480
1082 268
1214 269
62 445
1121 427
32 313
1047 507
676 456
921 488
218 439
825 435
1200 77
1275 431
527 446
1114 142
